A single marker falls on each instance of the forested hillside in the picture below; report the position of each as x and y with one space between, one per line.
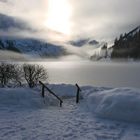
127 45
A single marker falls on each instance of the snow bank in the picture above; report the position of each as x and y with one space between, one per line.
68 90
119 103
31 98
23 98
64 90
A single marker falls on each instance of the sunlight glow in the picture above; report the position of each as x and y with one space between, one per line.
58 16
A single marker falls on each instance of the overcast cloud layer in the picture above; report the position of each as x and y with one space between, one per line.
105 18
101 19
33 11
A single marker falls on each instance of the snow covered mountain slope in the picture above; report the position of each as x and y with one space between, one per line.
31 47
132 33
127 46
83 42
94 49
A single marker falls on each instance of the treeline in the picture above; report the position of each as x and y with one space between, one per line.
9 45
127 45
13 75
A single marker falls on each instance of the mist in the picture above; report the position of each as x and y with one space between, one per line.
13 56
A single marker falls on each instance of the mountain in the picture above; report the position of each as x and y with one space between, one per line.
30 46
95 50
83 42
127 46
101 52
93 42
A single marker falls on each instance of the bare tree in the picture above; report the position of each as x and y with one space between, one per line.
34 73
8 73
17 75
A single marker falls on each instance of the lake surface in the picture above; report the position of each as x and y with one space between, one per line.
108 74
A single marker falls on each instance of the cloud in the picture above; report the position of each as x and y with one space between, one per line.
3 0
104 19
33 13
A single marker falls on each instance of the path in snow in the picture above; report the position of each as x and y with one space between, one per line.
71 122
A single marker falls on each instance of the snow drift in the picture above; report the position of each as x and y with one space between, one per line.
31 98
119 103
24 98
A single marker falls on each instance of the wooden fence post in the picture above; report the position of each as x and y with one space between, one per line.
61 103
43 91
78 93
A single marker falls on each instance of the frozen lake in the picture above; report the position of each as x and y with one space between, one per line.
108 74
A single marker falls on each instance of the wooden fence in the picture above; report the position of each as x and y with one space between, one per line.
50 91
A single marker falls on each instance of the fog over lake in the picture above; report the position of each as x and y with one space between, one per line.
108 74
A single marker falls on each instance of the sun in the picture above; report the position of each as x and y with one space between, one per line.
58 16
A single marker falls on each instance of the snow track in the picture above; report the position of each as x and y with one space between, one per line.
71 122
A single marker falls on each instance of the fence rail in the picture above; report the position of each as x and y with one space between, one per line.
50 91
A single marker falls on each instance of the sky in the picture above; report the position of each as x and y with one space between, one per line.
63 20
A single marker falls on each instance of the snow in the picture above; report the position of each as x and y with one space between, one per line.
119 103
102 114
64 90
24 98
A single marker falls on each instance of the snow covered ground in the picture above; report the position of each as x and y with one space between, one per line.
102 114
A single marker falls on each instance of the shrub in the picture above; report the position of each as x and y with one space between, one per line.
8 72
34 73
14 75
